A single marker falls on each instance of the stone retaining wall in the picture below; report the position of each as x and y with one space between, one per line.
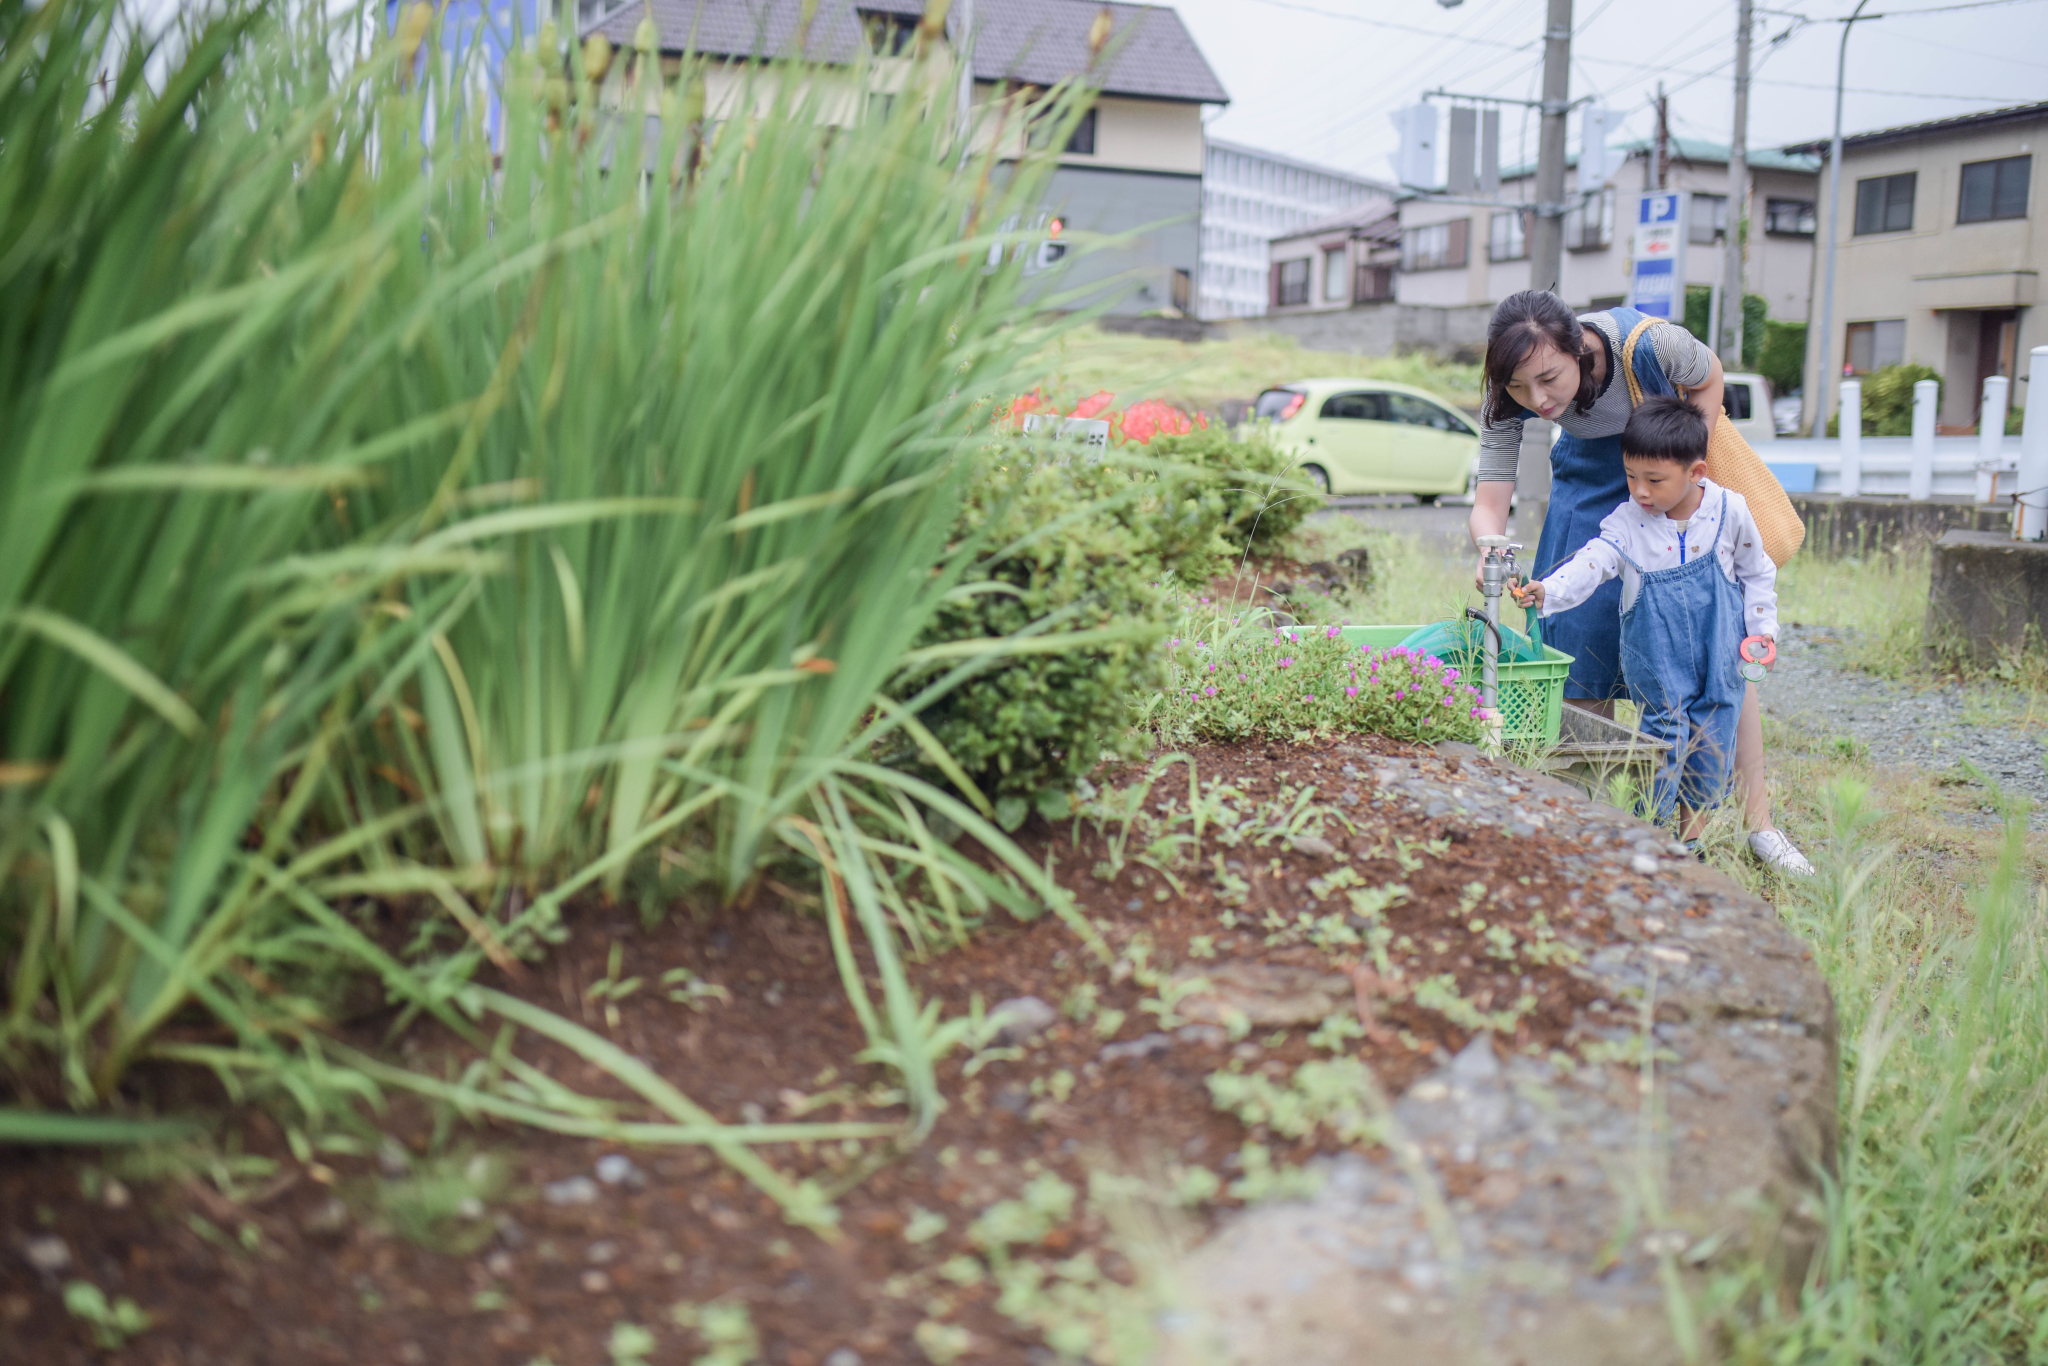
1989 594
1838 527
1539 1210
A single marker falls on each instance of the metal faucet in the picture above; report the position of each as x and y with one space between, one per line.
1495 570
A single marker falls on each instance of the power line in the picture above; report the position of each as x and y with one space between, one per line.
1919 41
1412 28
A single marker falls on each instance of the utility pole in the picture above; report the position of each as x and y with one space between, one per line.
1733 276
1823 375
1663 140
1546 236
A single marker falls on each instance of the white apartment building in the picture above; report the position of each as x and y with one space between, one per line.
1250 197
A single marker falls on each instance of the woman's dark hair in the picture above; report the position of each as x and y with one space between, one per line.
1521 324
1665 428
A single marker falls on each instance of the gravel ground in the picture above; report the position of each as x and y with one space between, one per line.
1933 726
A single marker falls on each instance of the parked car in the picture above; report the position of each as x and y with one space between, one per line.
1746 399
1372 436
1786 410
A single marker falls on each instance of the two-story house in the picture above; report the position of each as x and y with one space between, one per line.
1939 254
1134 165
1438 268
1458 255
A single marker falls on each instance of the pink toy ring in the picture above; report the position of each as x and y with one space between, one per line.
1770 656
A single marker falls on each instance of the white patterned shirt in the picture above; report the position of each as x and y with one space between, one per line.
1655 541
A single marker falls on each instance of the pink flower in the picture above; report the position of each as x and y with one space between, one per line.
1447 699
1450 675
1286 662
1333 632
1209 691
1351 692
1308 697
1400 696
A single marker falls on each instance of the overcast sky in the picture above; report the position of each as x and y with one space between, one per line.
1317 79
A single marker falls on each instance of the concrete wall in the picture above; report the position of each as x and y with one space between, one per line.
1989 595
1382 329
1939 265
1838 528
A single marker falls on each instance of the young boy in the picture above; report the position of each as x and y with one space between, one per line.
1695 582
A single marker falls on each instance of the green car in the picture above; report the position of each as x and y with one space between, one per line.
1372 436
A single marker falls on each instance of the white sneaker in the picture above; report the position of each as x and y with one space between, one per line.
1777 852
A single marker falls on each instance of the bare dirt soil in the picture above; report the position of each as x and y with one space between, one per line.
483 1243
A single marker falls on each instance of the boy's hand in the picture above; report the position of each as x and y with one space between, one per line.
1527 594
1770 652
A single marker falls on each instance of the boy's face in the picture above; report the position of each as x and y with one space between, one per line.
1661 485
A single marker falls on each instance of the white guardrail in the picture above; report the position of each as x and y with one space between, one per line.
1807 466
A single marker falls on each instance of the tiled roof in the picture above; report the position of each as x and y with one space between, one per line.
2012 113
1038 42
1699 149
1694 149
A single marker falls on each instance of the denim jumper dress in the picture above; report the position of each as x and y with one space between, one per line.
1586 483
1680 642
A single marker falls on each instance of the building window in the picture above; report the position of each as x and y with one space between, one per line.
1508 236
1872 346
1082 142
1885 204
1333 275
888 35
1291 282
1790 217
1994 189
1709 218
1589 224
1374 283
1440 246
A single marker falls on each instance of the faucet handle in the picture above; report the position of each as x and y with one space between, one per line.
1492 542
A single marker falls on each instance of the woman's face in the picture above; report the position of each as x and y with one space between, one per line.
1545 382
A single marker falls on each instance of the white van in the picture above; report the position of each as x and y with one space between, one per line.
1746 399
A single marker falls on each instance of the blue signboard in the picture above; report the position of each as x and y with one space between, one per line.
1657 269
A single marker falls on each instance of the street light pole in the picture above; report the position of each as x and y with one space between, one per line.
1546 234
1823 374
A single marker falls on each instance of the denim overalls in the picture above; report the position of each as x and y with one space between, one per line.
1586 483
1679 649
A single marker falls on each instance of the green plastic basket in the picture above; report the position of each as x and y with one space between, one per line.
1531 695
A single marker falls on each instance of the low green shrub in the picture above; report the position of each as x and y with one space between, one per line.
1264 500
1781 358
1888 400
1085 548
1237 677
1699 304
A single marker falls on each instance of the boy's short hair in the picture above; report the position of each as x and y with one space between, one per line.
1665 427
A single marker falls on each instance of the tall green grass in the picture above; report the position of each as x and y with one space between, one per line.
1935 1249
391 512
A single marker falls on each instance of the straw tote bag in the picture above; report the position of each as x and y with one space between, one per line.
1734 464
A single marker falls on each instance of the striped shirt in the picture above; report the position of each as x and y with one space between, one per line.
1686 360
